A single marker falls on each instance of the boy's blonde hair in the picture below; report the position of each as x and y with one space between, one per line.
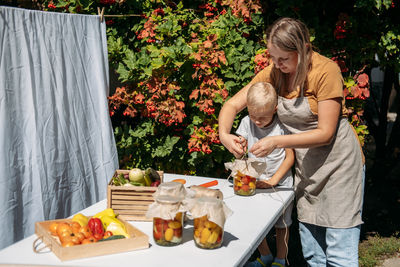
262 96
291 35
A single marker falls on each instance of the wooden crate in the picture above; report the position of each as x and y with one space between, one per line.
131 202
137 240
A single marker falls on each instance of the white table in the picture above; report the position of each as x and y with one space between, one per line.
252 219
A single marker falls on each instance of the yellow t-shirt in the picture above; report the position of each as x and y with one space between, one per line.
324 81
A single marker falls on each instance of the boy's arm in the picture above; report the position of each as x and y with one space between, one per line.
280 173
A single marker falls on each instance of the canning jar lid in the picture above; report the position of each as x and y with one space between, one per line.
165 199
170 189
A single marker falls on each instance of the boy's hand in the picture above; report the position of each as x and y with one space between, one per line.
263 184
235 144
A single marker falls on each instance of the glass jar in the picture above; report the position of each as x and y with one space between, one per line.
207 234
209 215
244 185
168 232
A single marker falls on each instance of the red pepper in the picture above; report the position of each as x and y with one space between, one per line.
96 227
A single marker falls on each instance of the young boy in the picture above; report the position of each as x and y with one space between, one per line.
262 121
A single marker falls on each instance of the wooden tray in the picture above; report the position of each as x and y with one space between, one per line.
131 202
138 240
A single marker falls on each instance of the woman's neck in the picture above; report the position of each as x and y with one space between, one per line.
290 80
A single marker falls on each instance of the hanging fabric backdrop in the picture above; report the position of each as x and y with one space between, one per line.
57 149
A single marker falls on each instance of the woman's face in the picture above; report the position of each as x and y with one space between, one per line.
285 61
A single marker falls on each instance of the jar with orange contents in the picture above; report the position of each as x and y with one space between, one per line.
209 215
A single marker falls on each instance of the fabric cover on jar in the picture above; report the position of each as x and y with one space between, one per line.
173 189
165 207
251 167
196 191
215 209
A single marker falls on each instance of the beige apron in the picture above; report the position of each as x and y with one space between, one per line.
328 180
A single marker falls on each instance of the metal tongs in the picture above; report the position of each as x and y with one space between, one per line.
245 156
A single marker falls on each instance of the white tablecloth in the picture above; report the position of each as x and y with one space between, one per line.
252 219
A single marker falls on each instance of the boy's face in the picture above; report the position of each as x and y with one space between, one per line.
261 117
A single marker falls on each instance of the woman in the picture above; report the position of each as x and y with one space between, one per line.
329 162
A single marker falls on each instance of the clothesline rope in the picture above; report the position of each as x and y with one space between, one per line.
101 14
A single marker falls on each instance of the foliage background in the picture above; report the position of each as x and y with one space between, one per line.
178 62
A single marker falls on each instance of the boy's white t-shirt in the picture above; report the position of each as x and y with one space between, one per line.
252 134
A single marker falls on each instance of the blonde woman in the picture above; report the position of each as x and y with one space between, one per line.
329 162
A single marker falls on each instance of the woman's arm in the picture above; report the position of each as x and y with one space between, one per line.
225 121
280 173
328 117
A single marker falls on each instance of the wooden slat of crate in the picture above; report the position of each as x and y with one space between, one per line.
131 202
129 207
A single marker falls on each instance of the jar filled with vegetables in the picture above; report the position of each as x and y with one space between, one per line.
209 215
166 212
244 185
244 174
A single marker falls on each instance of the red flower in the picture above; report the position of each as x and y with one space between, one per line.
339 32
51 5
107 2
159 11
109 22
341 63
363 80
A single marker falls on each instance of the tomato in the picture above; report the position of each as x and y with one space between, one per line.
107 234
178 232
245 180
62 227
88 240
245 187
75 239
53 228
68 244
85 230
75 226
219 238
64 235
98 236
80 235
157 235
162 226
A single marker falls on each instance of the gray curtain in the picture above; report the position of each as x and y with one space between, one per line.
57 149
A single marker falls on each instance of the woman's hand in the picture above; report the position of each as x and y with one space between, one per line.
263 147
235 144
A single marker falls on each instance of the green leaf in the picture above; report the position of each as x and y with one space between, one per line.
166 148
230 84
218 99
197 120
247 74
146 128
157 63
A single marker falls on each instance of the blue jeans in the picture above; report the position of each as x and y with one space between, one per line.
325 247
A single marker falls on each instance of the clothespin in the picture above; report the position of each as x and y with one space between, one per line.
101 13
